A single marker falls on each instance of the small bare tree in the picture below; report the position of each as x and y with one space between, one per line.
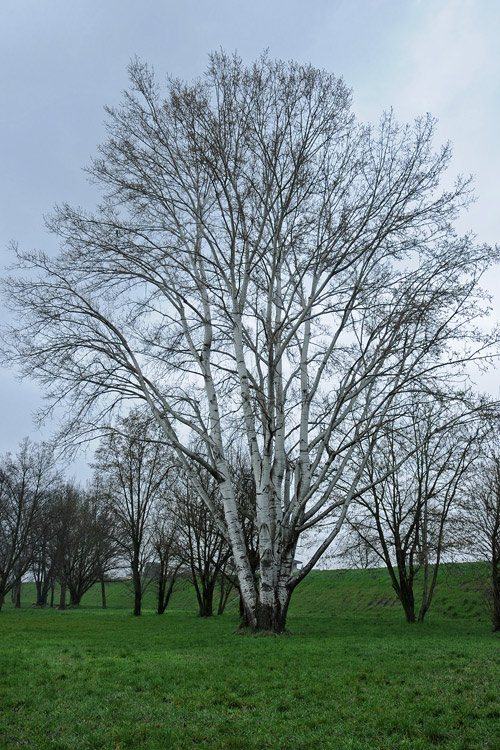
167 556
133 464
415 476
204 551
42 566
480 522
80 545
260 262
25 480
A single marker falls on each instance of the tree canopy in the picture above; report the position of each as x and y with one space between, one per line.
264 267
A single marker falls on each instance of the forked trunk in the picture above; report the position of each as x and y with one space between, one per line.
422 613
206 601
271 612
407 599
165 595
226 586
273 618
41 594
402 583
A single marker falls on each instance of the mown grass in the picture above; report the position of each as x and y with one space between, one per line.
352 675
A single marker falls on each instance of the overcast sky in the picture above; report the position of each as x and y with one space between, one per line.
61 62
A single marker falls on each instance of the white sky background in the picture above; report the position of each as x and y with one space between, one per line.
61 62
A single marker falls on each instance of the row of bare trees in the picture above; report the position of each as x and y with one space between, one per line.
161 525
73 544
432 494
25 481
51 530
139 515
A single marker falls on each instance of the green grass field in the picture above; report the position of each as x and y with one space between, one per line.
353 674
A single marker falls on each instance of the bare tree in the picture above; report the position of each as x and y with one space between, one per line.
167 558
415 476
353 549
25 479
480 522
64 509
43 567
81 546
106 544
243 481
263 263
134 464
202 547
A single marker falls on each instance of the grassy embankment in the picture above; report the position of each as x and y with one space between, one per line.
353 675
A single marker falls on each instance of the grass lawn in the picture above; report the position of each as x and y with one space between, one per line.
352 675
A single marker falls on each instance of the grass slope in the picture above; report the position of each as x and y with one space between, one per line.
353 675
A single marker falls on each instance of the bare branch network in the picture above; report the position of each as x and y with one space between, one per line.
265 268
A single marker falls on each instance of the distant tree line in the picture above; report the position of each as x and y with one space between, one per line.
139 519
431 495
430 490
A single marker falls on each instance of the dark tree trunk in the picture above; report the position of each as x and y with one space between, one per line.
17 595
225 589
137 602
403 584
103 593
75 597
42 591
137 584
39 595
407 599
136 581
495 587
207 601
164 595
62 597
52 594
161 606
422 613
273 618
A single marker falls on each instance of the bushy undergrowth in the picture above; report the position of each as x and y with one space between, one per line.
353 674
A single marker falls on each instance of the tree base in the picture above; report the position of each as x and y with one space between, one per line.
261 632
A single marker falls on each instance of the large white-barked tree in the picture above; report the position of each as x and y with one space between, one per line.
261 266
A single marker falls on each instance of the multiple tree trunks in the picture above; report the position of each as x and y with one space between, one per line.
42 591
164 593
